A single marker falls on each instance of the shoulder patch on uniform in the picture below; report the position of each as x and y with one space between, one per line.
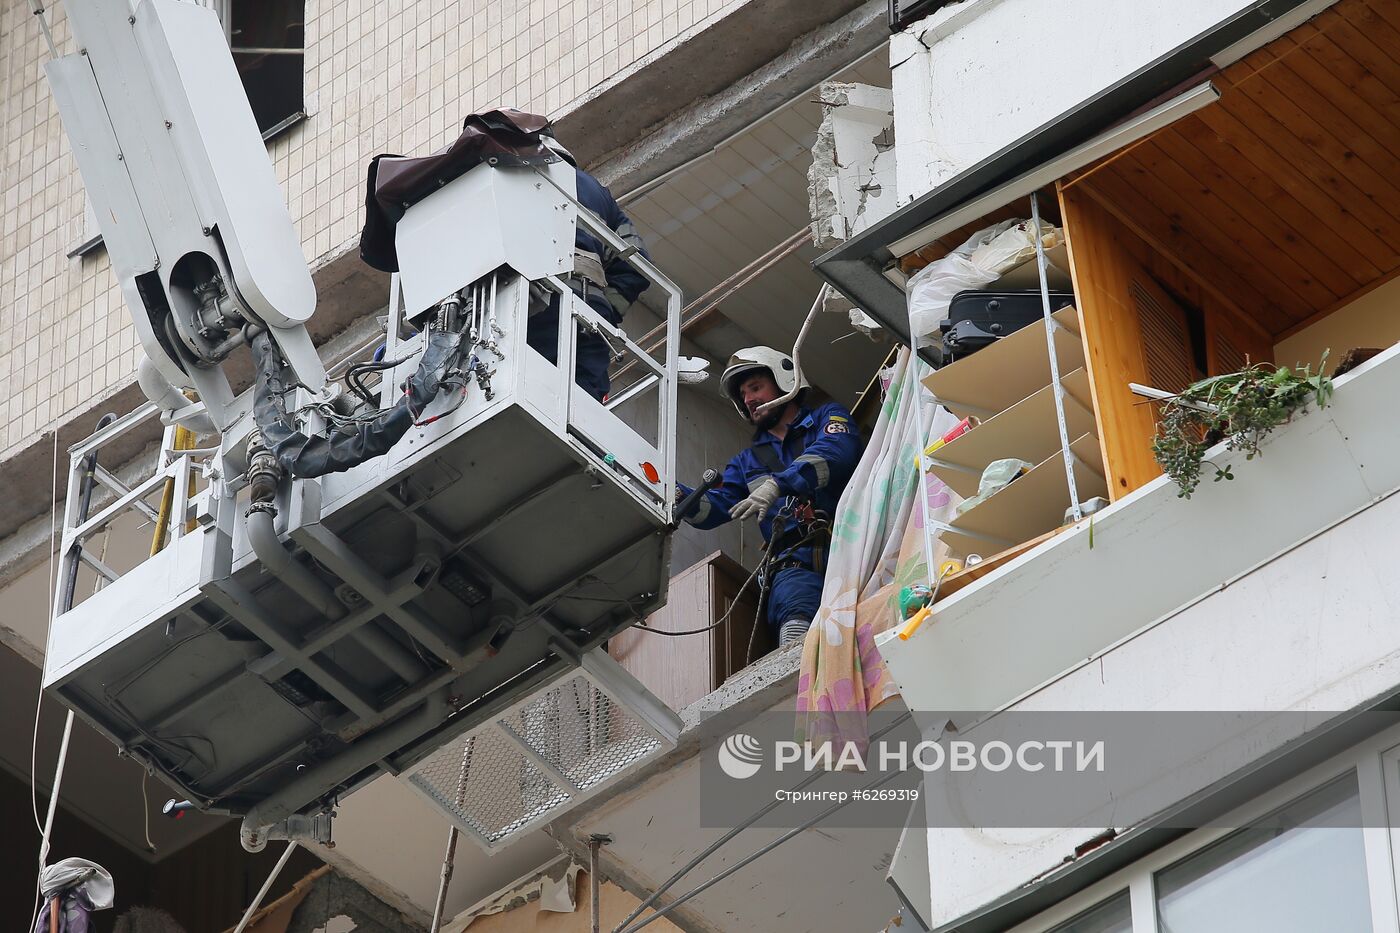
835 427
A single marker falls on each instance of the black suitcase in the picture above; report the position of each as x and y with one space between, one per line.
978 318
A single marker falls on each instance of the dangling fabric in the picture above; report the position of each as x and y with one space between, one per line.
876 548
82 887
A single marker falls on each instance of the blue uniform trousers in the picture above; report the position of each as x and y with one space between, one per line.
592 356
795 593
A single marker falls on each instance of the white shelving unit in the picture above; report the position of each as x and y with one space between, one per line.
1007 385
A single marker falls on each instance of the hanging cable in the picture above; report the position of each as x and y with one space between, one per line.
146 808
762 564
1058 393
39 697
764 850
313 455
921 484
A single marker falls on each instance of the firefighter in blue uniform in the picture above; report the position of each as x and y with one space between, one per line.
607 283
790 479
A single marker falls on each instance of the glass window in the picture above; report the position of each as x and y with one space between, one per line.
1303 869
268 39
1112 916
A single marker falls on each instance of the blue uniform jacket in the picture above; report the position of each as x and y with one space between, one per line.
819 454
621 276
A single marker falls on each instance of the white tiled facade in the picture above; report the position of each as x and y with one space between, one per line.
380 76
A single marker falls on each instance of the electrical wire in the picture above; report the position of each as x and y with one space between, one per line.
461 400
762 564
39 697
641 624
146 807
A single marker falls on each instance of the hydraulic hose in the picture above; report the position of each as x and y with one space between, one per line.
278 561
300 579
158 389
316 455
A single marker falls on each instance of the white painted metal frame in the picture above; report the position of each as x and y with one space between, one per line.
1376 763
65 652
171 465
665 373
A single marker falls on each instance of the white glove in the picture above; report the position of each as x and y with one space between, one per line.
758 503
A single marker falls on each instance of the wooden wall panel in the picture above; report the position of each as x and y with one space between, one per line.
1108 257
678 670
1103 268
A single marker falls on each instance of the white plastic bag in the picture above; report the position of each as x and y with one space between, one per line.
996 477
986 256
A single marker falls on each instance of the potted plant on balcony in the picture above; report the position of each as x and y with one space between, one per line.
1240 408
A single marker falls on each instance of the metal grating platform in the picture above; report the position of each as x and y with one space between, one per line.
546 754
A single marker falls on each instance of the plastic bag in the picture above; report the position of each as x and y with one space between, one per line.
986 256
1013 246
996 477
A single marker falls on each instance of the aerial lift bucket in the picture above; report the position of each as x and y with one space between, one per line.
448 598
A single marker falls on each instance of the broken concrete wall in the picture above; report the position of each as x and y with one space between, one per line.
851 183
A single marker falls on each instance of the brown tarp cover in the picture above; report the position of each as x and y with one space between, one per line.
501 137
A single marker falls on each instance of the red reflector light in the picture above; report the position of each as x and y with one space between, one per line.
650 472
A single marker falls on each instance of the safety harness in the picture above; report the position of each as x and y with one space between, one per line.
800 522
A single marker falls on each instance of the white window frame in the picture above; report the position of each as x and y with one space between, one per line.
1376 763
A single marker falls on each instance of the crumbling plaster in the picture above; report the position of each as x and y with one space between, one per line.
851 183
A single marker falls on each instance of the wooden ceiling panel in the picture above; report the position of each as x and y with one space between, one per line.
1347 72
1323 128
1268 238
1247 153
1283 199
1240 219
1208 263
1372 32
1319 90
1183 215
1203 150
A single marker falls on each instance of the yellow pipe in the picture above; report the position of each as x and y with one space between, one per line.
184 440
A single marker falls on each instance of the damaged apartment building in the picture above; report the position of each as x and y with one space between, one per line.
1137 197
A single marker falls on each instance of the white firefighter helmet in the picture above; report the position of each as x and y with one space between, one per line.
749 359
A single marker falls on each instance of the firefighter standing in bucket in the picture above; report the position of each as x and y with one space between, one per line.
602 279
789 479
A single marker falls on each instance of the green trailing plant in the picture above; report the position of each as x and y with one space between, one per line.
1239 408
